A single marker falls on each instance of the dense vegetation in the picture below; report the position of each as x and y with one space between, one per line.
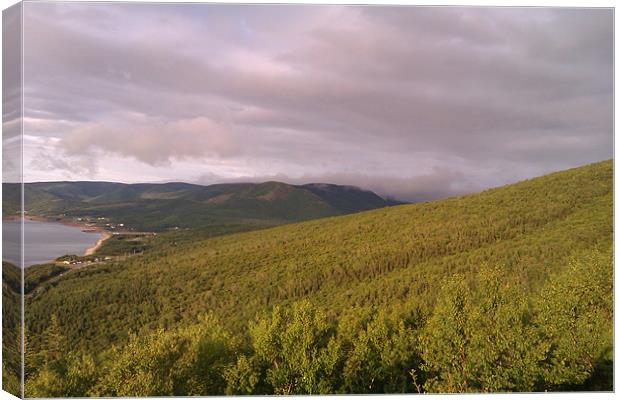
37 274
11 331
125 244
506 290
222 208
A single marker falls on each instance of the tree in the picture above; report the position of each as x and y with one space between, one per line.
242 377
575 318
381 354
478 339
57 372
298 350
185 361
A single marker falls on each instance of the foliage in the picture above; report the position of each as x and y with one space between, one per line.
494 337
575 316
479 338
242 378
188 361
380 353
298 350
71 376
486 335
35 275
118 245
11 328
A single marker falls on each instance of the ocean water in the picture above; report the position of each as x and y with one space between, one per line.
44 241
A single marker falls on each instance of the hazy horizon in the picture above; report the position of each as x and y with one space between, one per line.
414 103
250 181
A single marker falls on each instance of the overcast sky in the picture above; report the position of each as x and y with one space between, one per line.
412 102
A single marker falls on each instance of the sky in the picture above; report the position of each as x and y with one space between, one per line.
414 103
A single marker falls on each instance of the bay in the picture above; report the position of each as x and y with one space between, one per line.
44 241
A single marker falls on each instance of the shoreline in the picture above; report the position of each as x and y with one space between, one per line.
64 221
40 218
105 235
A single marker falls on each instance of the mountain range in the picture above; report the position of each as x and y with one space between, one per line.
220 207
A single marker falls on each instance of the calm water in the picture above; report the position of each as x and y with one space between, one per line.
44 241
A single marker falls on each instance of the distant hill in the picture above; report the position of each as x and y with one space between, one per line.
348 199
496 286
221 207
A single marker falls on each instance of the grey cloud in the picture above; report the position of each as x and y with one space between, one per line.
404 93
67 167
133 136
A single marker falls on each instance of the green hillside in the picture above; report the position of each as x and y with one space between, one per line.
11 335
218 208
505 290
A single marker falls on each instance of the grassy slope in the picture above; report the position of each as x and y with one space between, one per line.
389 257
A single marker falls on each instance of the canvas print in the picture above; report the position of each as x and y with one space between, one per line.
234 199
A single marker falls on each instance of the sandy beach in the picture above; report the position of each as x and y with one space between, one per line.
104 236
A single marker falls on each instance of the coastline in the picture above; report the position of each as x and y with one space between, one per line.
91 250
105 235
40 218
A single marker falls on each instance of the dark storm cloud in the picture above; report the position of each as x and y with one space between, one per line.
408 101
